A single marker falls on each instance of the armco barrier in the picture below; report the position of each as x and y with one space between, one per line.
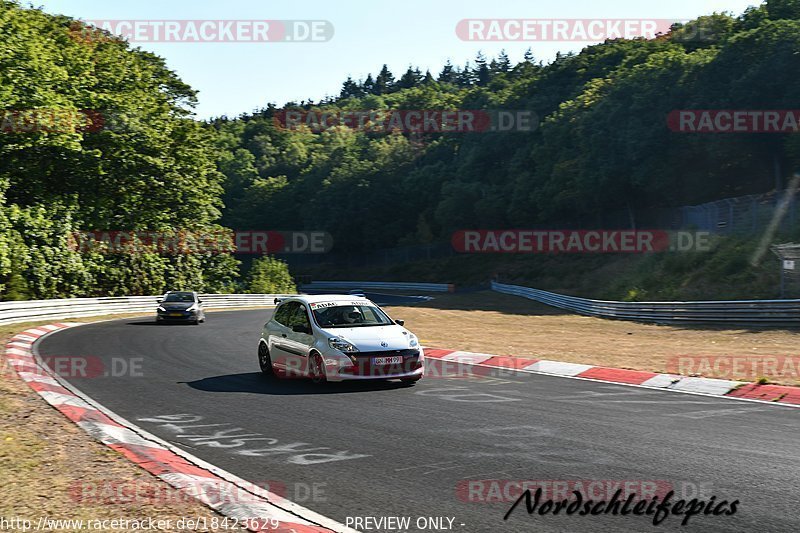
35 310
391 285
763 313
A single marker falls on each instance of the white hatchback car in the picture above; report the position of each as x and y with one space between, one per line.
336 338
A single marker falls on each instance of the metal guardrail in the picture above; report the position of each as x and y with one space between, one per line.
350 285
773 313
764 313
34 310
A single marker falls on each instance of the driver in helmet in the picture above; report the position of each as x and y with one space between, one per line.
352 315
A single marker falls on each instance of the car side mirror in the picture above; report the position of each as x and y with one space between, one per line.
159 300
400 322
297 328
199 301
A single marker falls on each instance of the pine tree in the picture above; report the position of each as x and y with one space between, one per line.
503 63
410 79
465 77
482 74
350 89
528 56
527 67
368 87
384 83
447 75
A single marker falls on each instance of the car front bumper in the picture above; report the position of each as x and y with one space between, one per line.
360 366
176 316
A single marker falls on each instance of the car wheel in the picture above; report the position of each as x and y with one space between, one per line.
264 360
316 370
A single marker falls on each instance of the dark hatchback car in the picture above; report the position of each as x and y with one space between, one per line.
180 307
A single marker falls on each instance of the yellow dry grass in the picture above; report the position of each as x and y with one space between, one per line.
491 322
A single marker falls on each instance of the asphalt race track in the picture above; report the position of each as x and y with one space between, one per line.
356 450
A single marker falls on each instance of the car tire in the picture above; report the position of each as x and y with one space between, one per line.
264 360
316 368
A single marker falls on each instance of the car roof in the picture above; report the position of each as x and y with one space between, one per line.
315 298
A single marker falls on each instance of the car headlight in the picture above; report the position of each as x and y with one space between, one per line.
161 309
193 308
413 342
338 343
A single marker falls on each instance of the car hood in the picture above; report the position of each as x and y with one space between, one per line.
370 339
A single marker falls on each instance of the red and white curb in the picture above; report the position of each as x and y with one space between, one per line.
222 491
772 394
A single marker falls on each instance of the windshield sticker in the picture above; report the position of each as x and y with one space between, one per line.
320 305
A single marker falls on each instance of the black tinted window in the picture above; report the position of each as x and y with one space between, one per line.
299 317
284 312
179 297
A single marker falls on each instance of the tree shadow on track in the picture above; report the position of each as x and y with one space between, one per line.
257 383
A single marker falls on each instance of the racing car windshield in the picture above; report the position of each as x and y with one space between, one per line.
335 315
179 297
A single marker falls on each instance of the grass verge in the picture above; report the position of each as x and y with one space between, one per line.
495 323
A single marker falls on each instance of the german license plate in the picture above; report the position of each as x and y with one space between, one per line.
394 360
176 314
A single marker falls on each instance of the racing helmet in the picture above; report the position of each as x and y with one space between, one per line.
352 315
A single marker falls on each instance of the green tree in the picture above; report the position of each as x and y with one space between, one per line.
601 143
783 9
111 146
384 81
270 276
411 78
447 75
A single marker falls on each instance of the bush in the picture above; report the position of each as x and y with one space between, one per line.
270 276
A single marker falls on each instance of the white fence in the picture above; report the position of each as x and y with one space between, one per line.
773 313
36 310
769 313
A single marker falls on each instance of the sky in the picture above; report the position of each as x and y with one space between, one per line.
240 77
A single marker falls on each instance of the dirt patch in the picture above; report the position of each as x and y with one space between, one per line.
50 467
491 322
